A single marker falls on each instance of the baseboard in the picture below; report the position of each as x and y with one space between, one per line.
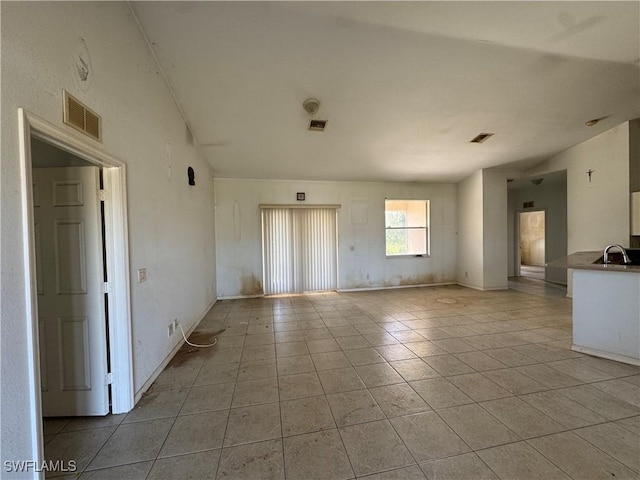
342 290
608 355
392 287
169 357
482 289
241 297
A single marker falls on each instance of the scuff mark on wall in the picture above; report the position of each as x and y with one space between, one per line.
419 280
250 285
355 282
237 232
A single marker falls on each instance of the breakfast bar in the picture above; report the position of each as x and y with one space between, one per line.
606 307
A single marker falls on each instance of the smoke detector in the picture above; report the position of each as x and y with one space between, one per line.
311 106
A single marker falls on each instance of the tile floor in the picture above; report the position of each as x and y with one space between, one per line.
424 383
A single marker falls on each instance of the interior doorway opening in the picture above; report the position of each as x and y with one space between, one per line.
116 263
532 246
68 212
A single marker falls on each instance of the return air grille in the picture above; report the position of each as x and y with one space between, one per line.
482 137
317 125
81 117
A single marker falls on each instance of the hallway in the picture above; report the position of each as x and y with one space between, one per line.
532 271
438 382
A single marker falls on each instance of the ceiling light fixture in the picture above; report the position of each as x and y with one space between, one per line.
311 106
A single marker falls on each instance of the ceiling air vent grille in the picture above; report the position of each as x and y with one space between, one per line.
317 125
482 137
81 117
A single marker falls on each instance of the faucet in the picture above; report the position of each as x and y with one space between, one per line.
625 258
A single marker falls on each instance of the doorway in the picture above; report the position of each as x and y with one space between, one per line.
70 275
116 264
531 235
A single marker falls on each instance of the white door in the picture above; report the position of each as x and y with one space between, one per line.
71 305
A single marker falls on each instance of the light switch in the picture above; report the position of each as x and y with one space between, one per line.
142 275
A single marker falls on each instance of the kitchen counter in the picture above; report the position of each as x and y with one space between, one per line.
606 307
585 261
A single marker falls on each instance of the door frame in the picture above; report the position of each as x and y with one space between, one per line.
517 252
117 265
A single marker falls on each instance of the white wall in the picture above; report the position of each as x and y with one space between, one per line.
597 211
494 225
361 240
482 230
634 155
634 167
171 225
470 232
553 199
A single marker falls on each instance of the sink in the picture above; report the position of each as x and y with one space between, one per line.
615 258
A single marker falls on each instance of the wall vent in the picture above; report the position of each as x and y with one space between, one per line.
81 117
317 125
482 137
528 204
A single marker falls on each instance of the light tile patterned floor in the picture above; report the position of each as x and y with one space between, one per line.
437 383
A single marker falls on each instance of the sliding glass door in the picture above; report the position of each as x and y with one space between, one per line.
299 250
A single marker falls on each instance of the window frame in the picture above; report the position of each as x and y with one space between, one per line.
426 228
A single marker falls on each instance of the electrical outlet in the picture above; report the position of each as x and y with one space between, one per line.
175 324
142 275
170 330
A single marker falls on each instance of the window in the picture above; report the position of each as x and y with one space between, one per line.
406 227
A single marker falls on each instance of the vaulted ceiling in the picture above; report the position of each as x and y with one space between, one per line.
404 85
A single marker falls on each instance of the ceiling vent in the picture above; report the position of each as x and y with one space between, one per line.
317 125
81 117
482 137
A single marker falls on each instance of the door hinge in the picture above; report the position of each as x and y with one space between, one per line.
106 287
102 195
109 378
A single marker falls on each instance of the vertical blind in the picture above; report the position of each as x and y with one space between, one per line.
299 250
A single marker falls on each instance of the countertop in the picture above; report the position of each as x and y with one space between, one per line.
584 261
